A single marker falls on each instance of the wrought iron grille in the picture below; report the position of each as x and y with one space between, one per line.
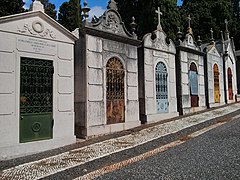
115 92
161 81
115 79
36 91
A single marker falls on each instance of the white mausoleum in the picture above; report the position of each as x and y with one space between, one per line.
157 77
36 84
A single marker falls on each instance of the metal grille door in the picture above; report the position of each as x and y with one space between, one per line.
216 84
230 90
193 77
36 99
161 88
115 92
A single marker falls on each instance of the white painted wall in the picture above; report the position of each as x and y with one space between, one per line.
19 39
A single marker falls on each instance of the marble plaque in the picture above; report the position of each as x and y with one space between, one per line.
34 45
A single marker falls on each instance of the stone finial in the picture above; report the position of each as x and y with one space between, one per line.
36 6
159 13
179 34
112 5
85 11
189 30
133 26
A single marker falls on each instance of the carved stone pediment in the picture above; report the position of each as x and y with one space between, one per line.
36 28
160 43
112 22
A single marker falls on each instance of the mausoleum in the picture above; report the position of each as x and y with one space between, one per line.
190 73
157 76
36 84
106 75
215 74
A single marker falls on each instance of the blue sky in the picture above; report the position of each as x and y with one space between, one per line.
97 6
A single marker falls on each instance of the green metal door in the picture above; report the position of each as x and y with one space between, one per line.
36 100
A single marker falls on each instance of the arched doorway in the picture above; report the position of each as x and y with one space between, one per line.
230 91
161 88
115 91
216 84
193 76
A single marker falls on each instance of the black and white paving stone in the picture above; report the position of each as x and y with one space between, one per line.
73 159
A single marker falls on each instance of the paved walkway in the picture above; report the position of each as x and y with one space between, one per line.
54 164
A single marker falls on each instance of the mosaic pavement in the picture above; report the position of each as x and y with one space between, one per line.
45 167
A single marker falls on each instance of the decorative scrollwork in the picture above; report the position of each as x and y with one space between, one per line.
112 24
37 28
36 86
159 44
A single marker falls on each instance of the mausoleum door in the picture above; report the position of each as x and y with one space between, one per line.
230 91
193 76
161 88
115 91
216 84
36 99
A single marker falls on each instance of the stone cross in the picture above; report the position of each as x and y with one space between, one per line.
226 22
189 21
211 34
159 27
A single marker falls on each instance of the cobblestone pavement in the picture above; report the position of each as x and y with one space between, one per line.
54 164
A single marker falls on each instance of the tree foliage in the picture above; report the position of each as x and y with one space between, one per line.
146 18
49 8
9 7
70 14
209 14
205 14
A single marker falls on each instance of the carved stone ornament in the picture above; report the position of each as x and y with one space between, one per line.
37 28
112 23
159 44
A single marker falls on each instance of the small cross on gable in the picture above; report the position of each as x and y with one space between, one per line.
159 27
189 21
226 22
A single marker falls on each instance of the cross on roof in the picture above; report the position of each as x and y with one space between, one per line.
159 27
189 21
226 22
211 34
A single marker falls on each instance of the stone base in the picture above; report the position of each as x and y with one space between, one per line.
193 109
237 97
110 128
24 149
216 104
151 118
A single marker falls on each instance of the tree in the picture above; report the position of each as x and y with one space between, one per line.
144 13
70 14
209 14
49 8
9 7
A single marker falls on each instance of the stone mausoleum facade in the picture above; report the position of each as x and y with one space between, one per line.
190 74
157 77
36 84
106 76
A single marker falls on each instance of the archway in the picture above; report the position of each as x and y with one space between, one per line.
230 91
193 76
115 91
161 87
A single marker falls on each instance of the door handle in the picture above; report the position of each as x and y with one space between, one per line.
21 117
